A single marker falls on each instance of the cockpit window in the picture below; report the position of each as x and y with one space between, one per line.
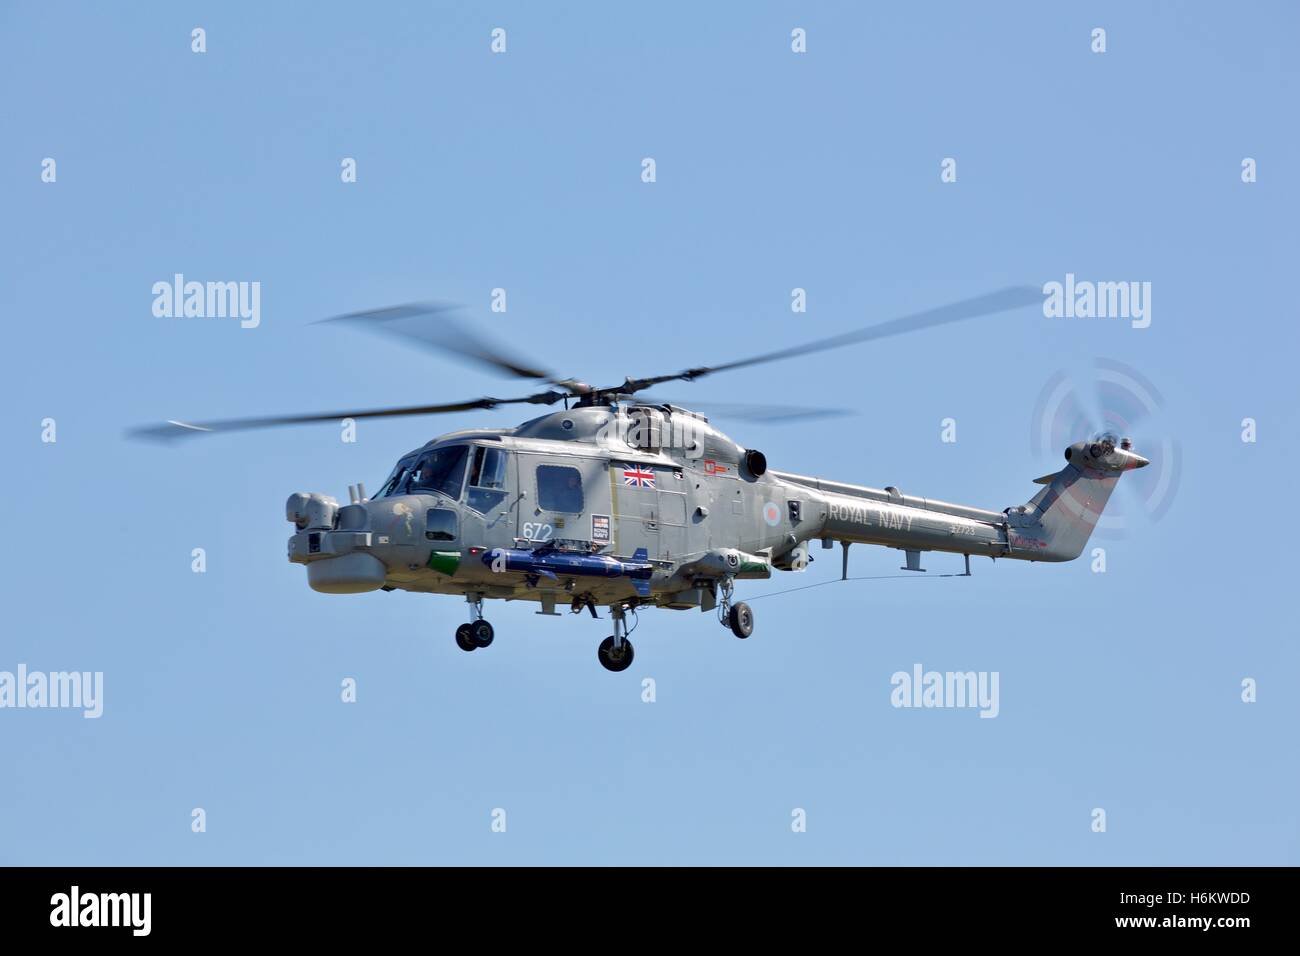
441 470
487 479
393 483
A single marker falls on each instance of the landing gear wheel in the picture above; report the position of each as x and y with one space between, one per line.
463 639
741 620
481 633
606 653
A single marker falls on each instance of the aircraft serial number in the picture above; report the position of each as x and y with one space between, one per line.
537 531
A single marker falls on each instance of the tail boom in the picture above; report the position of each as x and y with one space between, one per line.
1053 526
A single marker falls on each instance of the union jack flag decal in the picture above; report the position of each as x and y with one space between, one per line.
636 476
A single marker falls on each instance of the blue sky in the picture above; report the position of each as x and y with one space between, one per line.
522 171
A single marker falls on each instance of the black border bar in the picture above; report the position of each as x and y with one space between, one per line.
374 903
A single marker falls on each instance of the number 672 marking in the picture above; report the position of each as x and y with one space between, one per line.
536 531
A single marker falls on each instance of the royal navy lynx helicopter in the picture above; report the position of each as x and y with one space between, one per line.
624 501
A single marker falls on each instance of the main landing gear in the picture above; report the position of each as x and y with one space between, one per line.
736 616
615 652
741 620
478 632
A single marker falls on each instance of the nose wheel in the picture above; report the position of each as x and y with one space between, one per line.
463 640
478 632
481 633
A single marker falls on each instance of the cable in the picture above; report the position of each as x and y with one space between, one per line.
868 577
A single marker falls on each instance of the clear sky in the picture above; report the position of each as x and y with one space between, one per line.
775 170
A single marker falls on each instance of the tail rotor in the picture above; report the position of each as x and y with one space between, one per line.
1108 405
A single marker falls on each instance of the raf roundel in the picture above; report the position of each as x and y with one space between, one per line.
771 514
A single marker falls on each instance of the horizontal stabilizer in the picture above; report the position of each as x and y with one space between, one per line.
640 554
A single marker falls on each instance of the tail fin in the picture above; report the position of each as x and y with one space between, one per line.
1062 516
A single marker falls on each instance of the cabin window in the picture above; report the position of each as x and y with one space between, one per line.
441 470
559 488
487 480
440 525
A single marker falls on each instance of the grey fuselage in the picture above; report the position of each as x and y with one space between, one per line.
609 481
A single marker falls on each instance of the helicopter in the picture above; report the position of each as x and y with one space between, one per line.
625 501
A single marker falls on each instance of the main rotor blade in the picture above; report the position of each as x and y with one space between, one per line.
1011 297
173 430
769 414
430 325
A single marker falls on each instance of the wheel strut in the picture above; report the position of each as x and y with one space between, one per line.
619 614
725 588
